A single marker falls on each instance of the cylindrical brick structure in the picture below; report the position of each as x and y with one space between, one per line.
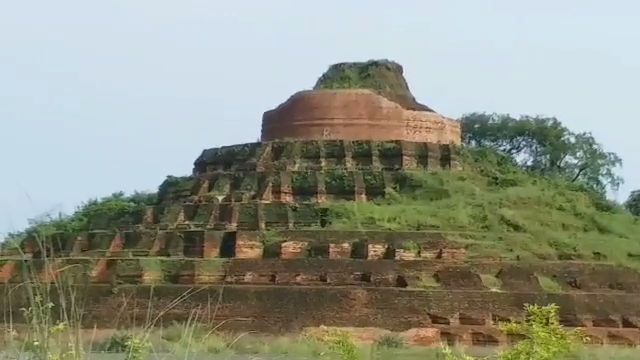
354 115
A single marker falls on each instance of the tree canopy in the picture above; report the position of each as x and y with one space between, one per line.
633 203
115 210
545 146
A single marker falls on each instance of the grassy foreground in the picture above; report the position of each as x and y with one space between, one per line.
184 341
51 329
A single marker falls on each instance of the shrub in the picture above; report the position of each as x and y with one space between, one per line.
545 338
390 341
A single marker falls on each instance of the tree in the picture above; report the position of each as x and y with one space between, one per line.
545 146
633 203
108 212
544 337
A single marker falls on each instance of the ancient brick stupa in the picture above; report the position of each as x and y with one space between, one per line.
356 101
254 230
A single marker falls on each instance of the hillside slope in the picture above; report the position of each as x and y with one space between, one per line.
503 212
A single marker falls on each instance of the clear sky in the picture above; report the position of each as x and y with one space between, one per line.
101 96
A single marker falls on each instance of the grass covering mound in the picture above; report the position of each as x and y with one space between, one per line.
382 76
502 211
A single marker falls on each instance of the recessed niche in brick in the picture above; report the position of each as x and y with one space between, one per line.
389 253
616 285
374 184
272 249
277 149
439 320
190 211
605 322
359 249
247 216
225 213
228 245
616 339
390 154
482 339
401 282
193 244
131 239
333 152
323 214
445 156
629 323
304 184
449 338
363 277
276 215
318 250
571 320
466 319
574 283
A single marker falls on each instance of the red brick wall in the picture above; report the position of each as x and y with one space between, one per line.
354 115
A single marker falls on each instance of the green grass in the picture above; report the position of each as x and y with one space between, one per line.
427 282
549 285
498 210
491 282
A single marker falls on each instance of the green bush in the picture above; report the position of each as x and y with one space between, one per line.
390 341
544 337
106 213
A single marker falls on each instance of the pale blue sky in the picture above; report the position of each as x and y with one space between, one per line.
100 96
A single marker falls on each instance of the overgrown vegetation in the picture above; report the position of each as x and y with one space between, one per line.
108 212
544 337
390 341
633 203
491 282
500 209
549 285
381 76
54 316
545 146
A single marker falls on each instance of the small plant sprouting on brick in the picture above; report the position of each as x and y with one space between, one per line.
411 246
544 337
390 341
389 149
361 149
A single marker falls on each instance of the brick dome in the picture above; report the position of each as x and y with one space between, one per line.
354 114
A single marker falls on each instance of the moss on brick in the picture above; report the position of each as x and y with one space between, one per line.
384 77
304 182
339 182
361 148
333 149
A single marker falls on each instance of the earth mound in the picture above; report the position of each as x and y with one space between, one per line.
384 77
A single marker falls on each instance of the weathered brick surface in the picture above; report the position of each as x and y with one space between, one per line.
376 251
402 254
249 246
280 309
340 251
354 115
421 337
459 278
7 270
293 249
